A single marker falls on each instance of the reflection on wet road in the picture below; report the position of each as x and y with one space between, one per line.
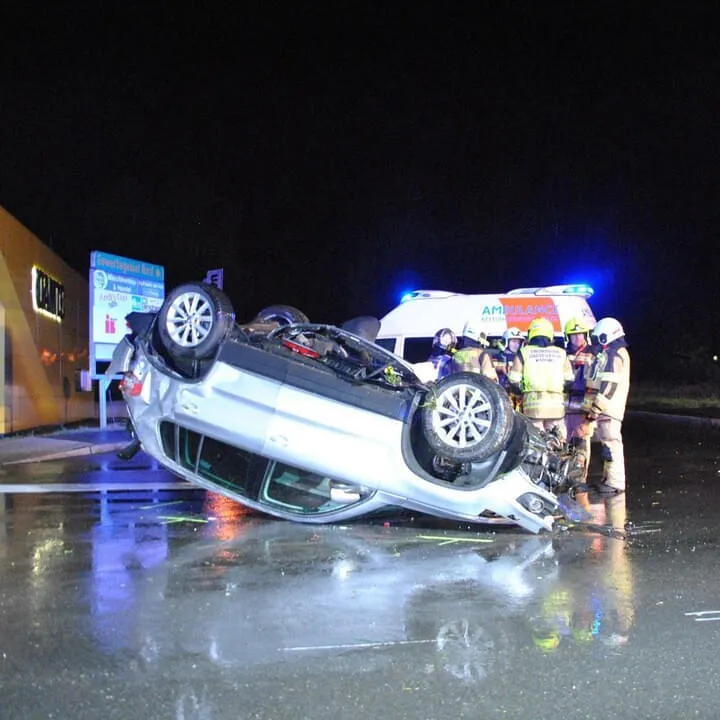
88 474
177 604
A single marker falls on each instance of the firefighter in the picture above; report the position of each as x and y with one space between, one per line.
443 347
542 372
472 354
580 354
512 341
605 399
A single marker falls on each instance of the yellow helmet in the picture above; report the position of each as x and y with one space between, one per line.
541 327
547 640
582 634
576 325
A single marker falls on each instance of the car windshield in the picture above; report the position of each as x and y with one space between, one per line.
249 475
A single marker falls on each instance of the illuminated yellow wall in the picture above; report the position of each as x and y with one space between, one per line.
41 355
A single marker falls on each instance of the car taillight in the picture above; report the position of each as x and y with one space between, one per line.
130 385
301 349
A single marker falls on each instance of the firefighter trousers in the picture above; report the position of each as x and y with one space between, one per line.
608 432
551 425
579 431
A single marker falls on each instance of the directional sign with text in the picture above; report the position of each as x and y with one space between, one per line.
119 286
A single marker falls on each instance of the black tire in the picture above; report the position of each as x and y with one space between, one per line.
365 326
282 314
467 417
193 320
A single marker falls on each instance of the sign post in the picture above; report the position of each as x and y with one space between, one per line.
215 277
118 286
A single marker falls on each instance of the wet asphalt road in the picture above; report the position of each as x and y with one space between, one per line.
167 603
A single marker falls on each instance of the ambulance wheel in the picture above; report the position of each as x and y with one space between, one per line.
467 417
193 320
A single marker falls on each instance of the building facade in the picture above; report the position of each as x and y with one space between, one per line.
44 334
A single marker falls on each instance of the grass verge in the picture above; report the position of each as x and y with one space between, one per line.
702 399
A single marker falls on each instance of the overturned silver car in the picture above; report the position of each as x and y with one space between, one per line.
316 423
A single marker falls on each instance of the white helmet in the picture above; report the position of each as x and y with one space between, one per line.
513 333
472 332
607 330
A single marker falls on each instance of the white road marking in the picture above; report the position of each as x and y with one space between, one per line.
351 646
448 540
8 488
699 615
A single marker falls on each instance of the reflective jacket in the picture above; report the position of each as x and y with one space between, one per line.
543 373
609 381
581 362
474 360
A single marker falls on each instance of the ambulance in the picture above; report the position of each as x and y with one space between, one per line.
408 329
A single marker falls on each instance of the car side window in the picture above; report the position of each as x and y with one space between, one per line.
188 446
228 467
168 438
298 490
417 350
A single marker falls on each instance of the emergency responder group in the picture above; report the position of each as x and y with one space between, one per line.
578 392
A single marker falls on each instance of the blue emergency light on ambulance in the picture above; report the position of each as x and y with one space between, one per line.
408 329
420 294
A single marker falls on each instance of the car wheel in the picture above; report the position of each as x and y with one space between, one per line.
282 314
467 417
468 649
193 320
456 620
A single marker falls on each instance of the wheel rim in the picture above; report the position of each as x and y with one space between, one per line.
189 319
467 649
462 416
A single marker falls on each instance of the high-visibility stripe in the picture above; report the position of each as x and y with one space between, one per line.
515 377
546 405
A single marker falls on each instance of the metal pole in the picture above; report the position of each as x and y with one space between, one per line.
103 384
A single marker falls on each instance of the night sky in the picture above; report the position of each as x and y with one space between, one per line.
331 160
